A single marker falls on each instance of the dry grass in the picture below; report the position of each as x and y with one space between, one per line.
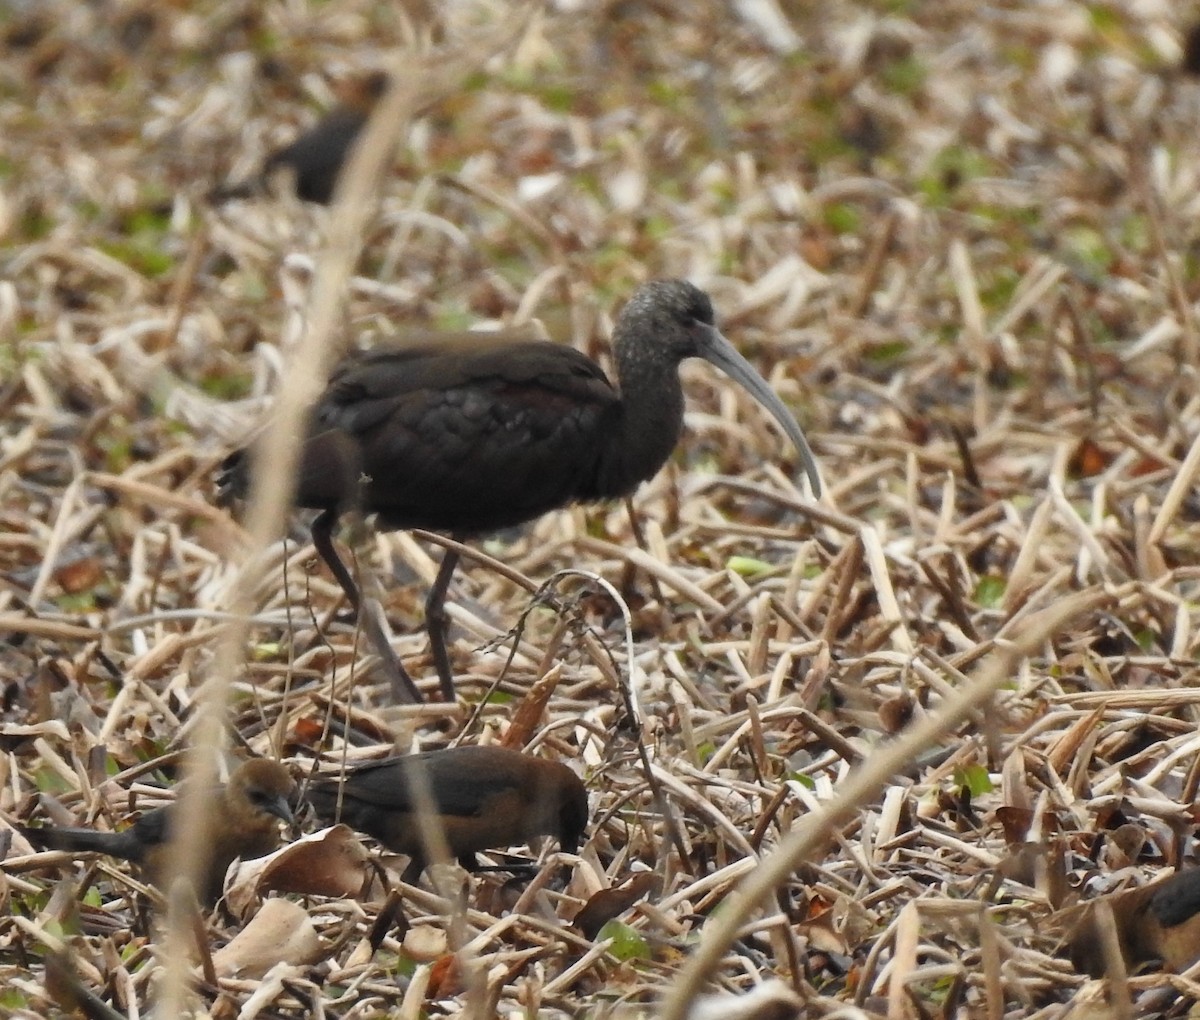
959 238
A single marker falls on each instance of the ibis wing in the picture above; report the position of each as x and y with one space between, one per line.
468 435
368 388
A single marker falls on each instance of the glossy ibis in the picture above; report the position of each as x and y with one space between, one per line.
245 824
315 159
481 431
485 798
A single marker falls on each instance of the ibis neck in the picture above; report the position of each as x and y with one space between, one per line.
648 425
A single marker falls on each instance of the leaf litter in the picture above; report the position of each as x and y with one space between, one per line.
957 238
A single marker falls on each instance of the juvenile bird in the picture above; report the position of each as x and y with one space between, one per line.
1159 921
315 159
480 431
245 824
485 798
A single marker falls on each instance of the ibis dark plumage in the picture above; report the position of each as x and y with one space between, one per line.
479 431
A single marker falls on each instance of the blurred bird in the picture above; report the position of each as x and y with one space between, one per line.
470 433
1190 63
245 824
1159 921
485 798
315 159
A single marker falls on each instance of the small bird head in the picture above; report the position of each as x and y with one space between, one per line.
267 786
563 803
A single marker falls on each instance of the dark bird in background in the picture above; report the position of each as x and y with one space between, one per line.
315 159
481 431
1159 921
245 824
485 798
1190 63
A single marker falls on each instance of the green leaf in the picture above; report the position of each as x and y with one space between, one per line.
989 591
842 218
905 77
559 98
12 998
145 258
747 566
1146 639
975 778
627 943
882 353
76 602
265 651
228 385
1088 246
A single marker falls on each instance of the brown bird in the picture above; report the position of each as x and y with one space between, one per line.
485 798
315 159
1159 921
482 431
245 824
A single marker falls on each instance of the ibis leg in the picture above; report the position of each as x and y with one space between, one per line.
403 688
435 623
322 536
412 874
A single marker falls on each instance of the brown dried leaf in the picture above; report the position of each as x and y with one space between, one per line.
331 862
609 903
529 713
281 932
80 575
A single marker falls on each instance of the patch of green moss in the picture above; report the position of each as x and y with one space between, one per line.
906 76
842 218
1088 247
149 260
228 385
950 169
989 591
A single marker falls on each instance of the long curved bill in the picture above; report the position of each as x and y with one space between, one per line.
714 348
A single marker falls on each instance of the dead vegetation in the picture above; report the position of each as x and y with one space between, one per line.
959 238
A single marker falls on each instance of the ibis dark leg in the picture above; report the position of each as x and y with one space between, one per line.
403 688
435 623
322 536
412 874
